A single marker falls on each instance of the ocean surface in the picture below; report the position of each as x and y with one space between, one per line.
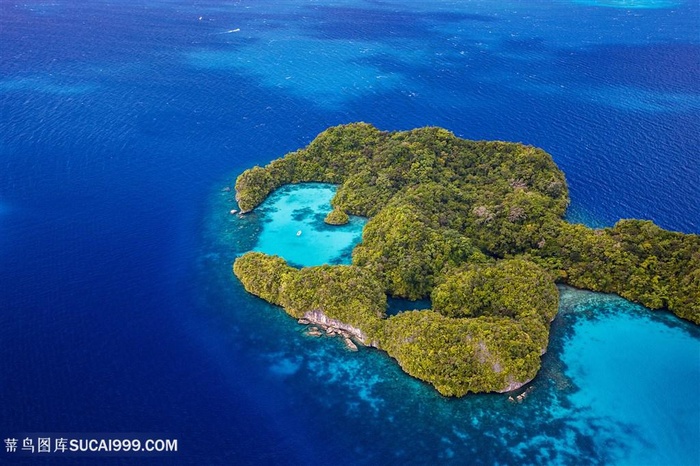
122 123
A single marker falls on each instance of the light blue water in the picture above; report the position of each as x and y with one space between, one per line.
618 385
293 227
625 362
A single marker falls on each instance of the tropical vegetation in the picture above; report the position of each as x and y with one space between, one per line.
478 227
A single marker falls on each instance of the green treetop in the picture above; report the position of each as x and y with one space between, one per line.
475 225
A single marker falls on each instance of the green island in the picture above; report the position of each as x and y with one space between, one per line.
477 227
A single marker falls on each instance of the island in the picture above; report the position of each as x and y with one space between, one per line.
475 226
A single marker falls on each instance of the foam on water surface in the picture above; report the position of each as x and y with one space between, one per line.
630 4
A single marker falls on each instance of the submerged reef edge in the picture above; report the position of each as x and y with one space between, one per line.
477 227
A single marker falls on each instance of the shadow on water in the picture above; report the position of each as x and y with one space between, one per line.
398 305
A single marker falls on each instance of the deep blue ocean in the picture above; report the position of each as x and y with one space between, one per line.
123 121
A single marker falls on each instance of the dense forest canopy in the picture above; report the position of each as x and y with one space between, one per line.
475 225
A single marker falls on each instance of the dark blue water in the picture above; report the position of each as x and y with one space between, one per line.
120 123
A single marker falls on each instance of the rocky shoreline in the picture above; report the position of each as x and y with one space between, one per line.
319 325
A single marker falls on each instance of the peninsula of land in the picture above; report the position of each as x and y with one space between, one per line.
477 227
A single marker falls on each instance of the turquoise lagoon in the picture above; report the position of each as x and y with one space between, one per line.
638 373
294 227
618 384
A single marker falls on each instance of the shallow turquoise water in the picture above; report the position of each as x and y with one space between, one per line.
617 386
293 226
639 373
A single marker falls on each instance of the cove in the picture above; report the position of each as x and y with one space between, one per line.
637 373
293 226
